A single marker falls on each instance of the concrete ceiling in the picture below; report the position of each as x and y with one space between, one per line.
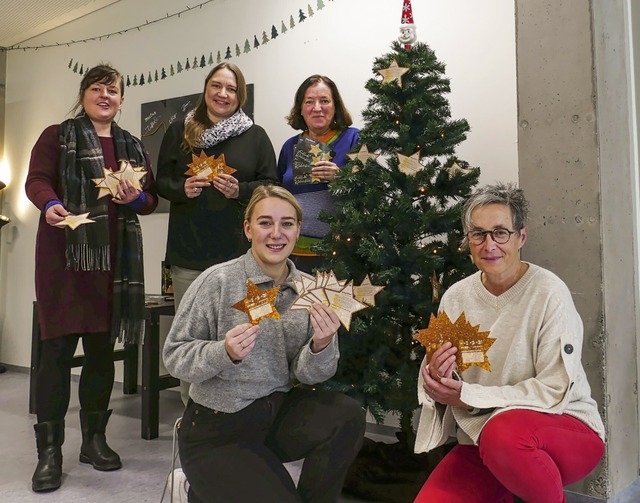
21 20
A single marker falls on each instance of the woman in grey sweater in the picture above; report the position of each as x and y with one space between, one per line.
246 415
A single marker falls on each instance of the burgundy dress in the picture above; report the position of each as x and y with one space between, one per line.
70 302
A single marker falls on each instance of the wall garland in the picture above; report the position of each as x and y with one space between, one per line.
152 76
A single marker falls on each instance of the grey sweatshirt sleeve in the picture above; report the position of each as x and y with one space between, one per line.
312 368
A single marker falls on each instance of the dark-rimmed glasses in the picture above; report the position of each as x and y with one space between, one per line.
499 236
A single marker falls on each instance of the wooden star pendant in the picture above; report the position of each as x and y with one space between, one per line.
74 221
410 165
366 292
471 343
208 165
131 173
258 303
393 73
107 185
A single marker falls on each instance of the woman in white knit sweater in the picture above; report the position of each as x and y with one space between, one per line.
529 426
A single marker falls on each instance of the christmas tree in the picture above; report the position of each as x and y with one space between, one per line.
397 219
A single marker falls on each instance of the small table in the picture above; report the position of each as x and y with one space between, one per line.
152 381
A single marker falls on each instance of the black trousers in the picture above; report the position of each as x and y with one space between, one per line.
237 458
53 388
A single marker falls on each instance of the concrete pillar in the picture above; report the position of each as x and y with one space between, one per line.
578 168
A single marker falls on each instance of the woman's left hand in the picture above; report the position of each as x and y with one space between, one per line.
227 185
126 193
325 170
325 323
445 390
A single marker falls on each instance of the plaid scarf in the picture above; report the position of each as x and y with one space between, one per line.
88 247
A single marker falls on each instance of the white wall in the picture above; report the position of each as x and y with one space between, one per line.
476 40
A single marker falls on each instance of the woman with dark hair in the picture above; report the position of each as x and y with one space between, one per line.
318 110
205 217
529 426
89 280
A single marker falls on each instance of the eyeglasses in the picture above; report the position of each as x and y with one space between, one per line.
500 236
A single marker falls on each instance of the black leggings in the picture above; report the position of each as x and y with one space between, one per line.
53 387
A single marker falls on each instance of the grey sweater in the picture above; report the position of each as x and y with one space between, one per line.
535 359
195 347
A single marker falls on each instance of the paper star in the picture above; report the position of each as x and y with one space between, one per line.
393 73
363 155
455 168
131 173
107 185
258 303
315 150
471 343
344 306
410 165
74 221
366 292
435 287
209 166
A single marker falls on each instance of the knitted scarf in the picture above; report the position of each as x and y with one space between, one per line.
232 126
88 246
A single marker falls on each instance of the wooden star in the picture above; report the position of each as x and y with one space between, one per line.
366 292
74 221
208 165
344 306
258 303
131 173
393 73
435 287
410 165
471 343
363 155
107 185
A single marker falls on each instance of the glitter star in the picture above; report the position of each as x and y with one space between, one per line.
208 165
258 303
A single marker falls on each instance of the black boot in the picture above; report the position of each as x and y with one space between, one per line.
94 449
49 440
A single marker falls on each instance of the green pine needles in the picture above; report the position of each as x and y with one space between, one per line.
401 228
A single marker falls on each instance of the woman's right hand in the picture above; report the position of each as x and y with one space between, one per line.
55 214
240 340
193 185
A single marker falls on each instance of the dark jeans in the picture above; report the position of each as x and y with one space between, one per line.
53 388
237 458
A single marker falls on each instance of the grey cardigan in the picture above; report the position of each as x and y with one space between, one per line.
195 349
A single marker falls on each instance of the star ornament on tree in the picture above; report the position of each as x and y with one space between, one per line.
410 165
208 166
472 344
393 73
363 156
258 303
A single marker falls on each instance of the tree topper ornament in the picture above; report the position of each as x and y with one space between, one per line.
408 34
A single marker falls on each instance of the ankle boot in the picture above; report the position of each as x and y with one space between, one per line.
94 449
49 440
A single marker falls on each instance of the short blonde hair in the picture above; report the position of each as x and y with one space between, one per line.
264 191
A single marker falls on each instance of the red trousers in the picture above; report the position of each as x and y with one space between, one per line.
521 452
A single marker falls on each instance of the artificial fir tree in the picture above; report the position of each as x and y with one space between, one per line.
397 219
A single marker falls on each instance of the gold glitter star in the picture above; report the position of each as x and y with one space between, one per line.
258 303
471 343
208 165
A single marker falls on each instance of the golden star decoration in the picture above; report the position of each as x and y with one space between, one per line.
74 221
208 165
363 156
131 173
366 292
258 303
315 150
410 165
435 287
326 289
107 185
455 168
472 344
393 73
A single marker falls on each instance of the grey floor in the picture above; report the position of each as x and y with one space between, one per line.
146 463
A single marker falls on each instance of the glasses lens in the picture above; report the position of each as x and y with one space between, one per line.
476 237
501 236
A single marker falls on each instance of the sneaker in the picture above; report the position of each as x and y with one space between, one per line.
179 492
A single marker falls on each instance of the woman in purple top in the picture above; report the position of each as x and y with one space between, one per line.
89 280
319 112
